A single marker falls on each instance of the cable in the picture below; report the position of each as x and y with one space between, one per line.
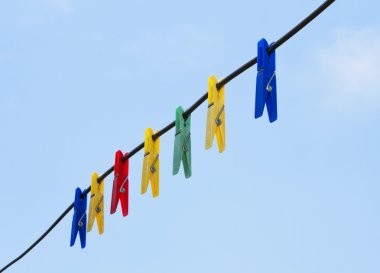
191 109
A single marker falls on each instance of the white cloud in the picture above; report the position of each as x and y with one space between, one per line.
351 63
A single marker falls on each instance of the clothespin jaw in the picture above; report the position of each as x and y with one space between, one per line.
266 88
79 218
96 209
216 119
182 143
120 189
151 163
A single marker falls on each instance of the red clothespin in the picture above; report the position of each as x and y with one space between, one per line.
120 188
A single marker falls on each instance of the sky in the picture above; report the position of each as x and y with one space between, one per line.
81 79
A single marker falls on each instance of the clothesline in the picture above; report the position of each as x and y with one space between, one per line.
186 113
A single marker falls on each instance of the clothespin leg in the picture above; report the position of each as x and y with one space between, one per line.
221 133
82 233
186 162
272 102
124 200
155 182
260 95
115 196
177 154
145 175
74 231
100 218
210 127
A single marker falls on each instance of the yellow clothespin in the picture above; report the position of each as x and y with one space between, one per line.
216 119
151 164
96 204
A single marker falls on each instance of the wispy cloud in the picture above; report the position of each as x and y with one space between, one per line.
351 64
183 44
61 5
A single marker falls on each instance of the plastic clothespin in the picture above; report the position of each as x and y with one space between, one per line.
79 218
266 89
216 119
151 164
96 209
182 143
120 189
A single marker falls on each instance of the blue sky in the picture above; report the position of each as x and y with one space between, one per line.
82 79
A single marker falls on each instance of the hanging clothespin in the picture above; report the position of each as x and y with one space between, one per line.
182 143
266 89
216 120
79 218
120 189
151 164
96 209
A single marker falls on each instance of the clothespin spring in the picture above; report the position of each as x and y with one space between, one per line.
122 190
152 168
269 88
97 208
80 223
218 121
184 147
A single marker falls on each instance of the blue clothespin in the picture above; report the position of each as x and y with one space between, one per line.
266 90
79 219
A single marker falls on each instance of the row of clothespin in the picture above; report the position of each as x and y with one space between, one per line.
216 125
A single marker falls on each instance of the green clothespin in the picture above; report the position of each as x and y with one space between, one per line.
182 143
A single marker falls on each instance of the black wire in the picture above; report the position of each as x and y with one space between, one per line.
191 109
39 239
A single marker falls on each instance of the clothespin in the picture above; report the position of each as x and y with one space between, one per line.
151 164
96 209
216 120
120 189
266 89
182 143
79 218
